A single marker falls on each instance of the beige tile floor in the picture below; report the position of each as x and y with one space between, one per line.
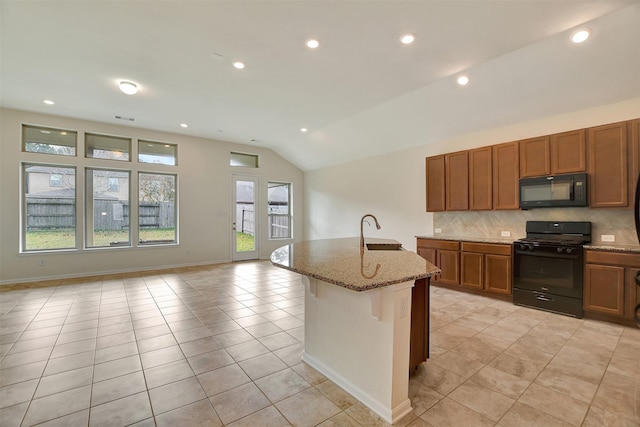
221 345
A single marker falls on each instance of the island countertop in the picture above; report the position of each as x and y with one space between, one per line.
341 262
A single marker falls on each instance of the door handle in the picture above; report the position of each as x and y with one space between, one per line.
233 227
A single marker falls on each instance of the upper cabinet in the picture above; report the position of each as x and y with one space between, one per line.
535 159
608 166
554 155
488 177
435 184
457 181
506 191
480 179
568 152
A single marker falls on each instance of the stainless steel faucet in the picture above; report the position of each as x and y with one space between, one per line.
362 221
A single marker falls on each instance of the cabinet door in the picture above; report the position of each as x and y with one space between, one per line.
604 289
569 152
428 254
471 270
634 158
506 172
608 166
435 184
632 292
449 263
480 179
534 157
498 276
457 181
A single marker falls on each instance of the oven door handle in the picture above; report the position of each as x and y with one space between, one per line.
543 298
547 254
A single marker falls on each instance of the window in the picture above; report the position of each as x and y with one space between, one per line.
56 180
244 160
37 139
113 185
157 152
107 147
106 212
156 208
49 216
279 205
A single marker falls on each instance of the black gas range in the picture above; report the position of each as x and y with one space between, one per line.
548 266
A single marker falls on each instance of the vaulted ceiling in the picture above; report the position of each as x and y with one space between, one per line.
360 93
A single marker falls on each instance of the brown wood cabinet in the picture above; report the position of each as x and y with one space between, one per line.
457 181
445 254
568 152
506 171
435 184
487 267
608 166
535 158
419 342
480 179
609 284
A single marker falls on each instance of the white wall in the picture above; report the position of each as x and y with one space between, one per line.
204 191
392 186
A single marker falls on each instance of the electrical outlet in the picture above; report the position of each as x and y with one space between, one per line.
608 237
438 230
505 233
404 302
42 262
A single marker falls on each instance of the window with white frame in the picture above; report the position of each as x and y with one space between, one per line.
279 210
157 211
49 214
107 212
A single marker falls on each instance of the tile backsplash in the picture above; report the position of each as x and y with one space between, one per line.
617 222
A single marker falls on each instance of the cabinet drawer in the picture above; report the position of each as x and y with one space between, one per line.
450 245
486 248
612 258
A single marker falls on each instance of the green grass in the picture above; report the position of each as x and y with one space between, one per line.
65 238
244 242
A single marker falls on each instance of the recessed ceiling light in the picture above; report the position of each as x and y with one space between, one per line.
129 88
407 39
463 80
580 35
303 130
184 125
312 43
48 102
239 65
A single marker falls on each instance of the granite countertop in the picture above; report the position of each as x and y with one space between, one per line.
340 261
501 240
509 240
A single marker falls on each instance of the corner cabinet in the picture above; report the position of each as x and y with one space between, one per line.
609 283
445 254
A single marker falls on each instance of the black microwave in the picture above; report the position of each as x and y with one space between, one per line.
553 191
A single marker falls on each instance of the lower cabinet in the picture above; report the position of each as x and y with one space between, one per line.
485 267
419 342
609 283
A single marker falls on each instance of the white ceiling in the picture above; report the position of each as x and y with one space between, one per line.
360 94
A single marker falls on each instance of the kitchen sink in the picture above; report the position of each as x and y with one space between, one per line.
384 246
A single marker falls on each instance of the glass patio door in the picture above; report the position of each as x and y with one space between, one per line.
244 229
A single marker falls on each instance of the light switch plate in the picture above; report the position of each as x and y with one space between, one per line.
505 233
438 230
608 238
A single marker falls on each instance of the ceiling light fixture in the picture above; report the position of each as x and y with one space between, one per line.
580 35
407 39
48 102
303 130
312 43
239 65
184 125
463 80
129 88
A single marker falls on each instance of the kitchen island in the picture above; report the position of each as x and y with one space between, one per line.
358 315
